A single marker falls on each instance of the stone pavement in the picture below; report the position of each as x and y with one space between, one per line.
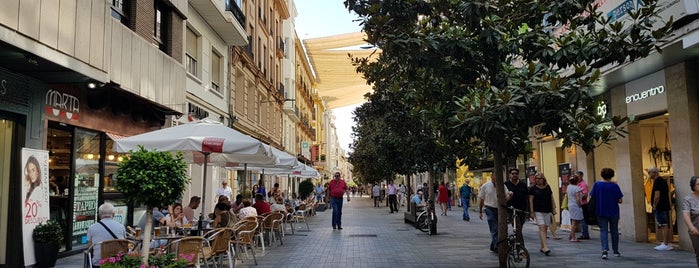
372 237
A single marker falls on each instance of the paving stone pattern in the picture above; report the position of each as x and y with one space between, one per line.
373 237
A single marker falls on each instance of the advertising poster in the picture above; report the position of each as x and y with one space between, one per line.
35 194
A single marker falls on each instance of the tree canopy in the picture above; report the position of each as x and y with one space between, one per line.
480 74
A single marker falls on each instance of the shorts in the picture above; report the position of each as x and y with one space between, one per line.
662 218
543 218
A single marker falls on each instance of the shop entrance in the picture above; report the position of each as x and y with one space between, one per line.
657 151
6 138
12 130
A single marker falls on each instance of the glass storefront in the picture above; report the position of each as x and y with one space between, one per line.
82 169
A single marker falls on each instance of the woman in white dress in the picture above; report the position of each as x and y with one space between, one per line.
574 201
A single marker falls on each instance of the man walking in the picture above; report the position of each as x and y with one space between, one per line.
584 190
224 190
376 193
392 197
465 192
337 187
488 201
660 197
519 199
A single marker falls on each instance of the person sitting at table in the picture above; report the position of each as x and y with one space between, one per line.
104 229
260 205
237 204
278 205
188 211
295 201
247 210
176 218
158 219
224 218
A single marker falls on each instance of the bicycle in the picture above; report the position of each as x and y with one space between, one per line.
517 254
426 219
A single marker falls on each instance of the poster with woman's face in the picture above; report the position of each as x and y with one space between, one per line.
35 196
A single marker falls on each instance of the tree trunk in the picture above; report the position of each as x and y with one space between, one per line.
145 246
502 212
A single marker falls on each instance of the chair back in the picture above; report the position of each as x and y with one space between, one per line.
267 221
191 245
219 239
245 233
276 220
110 248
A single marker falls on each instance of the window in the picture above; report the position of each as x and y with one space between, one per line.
216 71
117 10
160 25
192 51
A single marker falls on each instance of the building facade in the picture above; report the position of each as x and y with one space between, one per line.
77 75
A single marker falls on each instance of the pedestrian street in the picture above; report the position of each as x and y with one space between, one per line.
373 237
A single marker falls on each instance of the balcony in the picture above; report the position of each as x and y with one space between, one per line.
225 17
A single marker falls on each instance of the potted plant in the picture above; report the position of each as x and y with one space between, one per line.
47 238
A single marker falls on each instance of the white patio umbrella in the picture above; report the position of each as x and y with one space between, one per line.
218 144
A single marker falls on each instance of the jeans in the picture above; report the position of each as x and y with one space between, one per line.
376 201
609 225
585 229
491 215
336 203
464 203
393 202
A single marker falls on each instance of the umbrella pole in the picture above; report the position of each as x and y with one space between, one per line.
203 192
245 178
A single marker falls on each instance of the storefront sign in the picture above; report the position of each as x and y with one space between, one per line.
35 196
3 87
646 94
617 9
62 105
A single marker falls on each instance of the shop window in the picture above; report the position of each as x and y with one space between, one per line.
86 153
111 162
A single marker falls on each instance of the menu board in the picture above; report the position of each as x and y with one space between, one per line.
85 206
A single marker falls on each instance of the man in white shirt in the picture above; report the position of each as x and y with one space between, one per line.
392 190
488 200
224 190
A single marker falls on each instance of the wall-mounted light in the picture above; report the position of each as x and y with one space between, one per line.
90 156
110 157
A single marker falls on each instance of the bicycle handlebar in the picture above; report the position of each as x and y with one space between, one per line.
516 209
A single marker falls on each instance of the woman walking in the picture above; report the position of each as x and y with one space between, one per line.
543 206
443 198
607 197
574 202
690 214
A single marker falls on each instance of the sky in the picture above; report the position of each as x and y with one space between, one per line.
319 18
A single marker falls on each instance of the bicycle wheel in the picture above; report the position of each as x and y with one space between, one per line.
517 256
421 223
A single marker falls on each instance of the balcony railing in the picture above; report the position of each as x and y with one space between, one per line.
233 7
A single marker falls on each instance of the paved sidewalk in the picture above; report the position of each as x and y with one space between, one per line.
372 237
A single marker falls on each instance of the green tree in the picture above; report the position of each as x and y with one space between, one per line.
154 179
483 73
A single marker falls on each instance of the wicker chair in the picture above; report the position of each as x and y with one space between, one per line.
301 215
219 246
189 245
108 248
275 229
245 238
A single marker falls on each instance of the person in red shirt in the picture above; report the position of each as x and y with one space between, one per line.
260 205
337 187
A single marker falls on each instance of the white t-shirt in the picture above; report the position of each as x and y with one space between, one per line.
489 195
224 191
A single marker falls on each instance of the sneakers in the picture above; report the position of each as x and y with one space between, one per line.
617 254
584 237
664 247
604 255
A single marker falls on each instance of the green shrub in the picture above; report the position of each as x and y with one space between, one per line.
305 188
48 232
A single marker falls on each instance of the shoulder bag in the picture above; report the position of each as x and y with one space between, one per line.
590 212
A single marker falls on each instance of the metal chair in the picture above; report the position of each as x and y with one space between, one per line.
108 248
189 245
219 241
301 215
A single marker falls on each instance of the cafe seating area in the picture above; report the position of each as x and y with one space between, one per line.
218 247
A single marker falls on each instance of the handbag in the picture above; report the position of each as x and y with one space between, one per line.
589 211
564 204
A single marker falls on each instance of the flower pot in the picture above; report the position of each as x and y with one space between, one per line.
46 254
